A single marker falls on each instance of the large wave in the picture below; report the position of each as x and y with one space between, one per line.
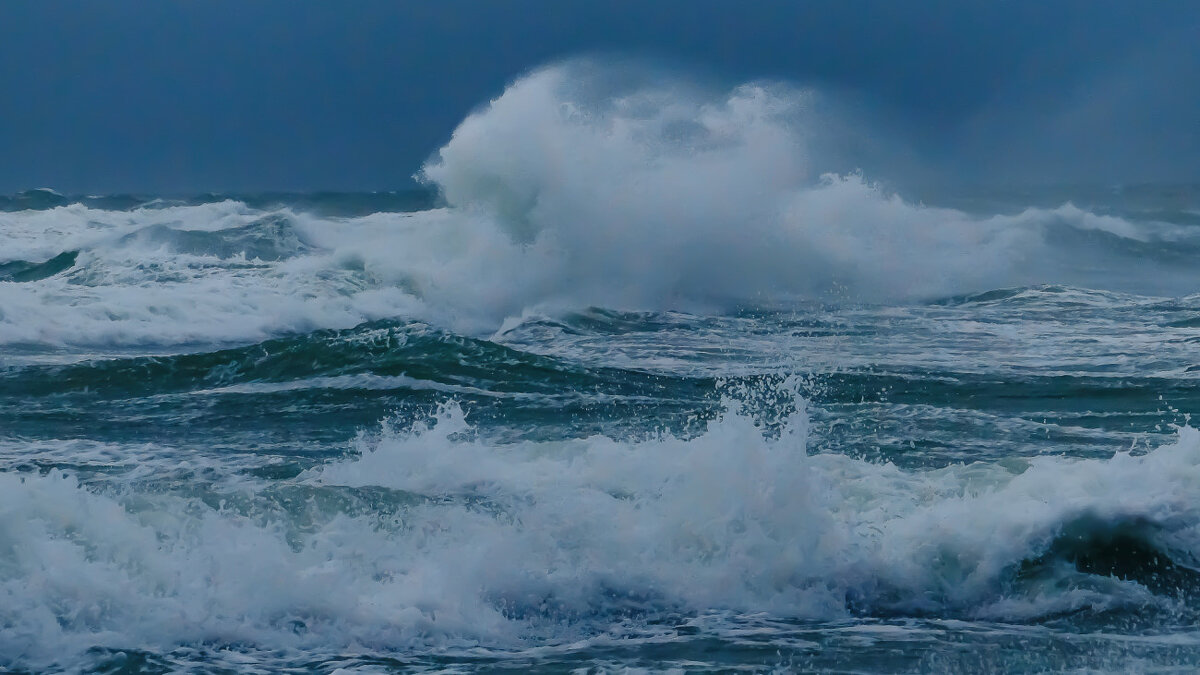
430 538
565 191
658 194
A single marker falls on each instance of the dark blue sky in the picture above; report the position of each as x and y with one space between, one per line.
165 96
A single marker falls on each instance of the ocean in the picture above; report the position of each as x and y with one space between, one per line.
627 387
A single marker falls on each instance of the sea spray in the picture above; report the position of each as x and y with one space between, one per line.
560 199
456 541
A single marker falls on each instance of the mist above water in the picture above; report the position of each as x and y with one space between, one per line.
579 186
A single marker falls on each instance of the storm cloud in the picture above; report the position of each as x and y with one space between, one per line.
221 95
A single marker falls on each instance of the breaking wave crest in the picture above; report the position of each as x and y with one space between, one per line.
429 538
653 195
567 191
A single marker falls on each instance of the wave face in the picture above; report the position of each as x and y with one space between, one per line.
634 382
427 540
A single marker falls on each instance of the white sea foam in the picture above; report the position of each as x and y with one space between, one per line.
496 545
565 193
660 196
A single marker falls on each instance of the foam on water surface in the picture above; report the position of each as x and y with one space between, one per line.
428 539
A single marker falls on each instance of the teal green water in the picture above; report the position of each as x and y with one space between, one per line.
233 441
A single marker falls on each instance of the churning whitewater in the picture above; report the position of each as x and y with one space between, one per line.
644 377
646 199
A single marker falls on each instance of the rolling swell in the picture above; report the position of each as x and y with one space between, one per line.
271 238
1129 549
24 271
338 379
334 204
380 348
